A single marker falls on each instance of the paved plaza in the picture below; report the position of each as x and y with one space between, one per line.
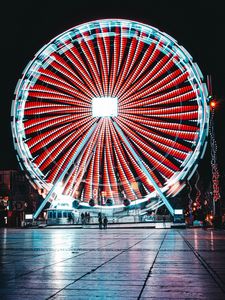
125 263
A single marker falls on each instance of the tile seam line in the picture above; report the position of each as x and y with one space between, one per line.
150 270
208 268
84 251
93 270
32 271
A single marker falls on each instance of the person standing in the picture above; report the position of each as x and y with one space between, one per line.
100 221
86 217
82 219
105 222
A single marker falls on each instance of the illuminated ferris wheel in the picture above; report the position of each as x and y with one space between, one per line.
111 109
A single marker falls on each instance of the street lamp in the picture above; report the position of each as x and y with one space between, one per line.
213 103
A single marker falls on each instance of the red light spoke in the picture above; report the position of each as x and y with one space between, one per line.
126 67
109 156
137 52
155 158
43 92
155 112
165 144
169 81
55 150
98 157
71 180
88 182
61 65
106 41
103 62
140 68
41 136
58 110
143 177
93 66
48 122
43 139
75 58
178 95
48 157
46 75
58 168
163 69
122 46
151 122
163 63
126 184
169 128
68 73
85 165
49 95
140 174
68 89
144 80
115 61
106 182
154 54
182 134
125 174
86 157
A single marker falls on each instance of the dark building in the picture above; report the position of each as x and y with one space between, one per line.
17 198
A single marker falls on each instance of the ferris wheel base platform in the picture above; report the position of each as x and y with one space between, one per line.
150 225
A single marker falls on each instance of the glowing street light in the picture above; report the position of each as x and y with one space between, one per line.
213 104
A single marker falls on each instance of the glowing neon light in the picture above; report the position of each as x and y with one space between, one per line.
111 72
104 107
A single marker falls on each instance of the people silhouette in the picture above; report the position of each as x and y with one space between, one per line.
100 221
105 222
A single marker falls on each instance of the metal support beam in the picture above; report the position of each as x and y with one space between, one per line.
65 171
142 166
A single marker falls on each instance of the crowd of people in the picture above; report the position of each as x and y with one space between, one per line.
102 220
85 218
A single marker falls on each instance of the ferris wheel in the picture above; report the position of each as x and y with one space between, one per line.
111 109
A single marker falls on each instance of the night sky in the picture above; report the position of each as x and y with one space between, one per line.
26 26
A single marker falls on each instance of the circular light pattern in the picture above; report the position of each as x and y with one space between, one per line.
139 92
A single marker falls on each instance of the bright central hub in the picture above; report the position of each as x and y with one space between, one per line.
104 107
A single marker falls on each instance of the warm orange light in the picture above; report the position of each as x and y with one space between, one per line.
213 103
211 217
134 185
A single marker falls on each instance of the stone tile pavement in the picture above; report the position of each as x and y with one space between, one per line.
124 263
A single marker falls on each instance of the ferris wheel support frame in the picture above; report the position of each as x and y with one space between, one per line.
52 190
148 175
